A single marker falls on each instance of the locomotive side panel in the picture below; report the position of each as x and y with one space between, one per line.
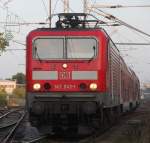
113 74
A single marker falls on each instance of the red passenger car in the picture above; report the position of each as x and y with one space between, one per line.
76 77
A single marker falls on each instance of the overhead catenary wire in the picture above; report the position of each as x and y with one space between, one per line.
55 7
45 23
119 6
23 23
142 36
15 49
20 43
111 17
106 15
138 44
10 12
10 17
131 42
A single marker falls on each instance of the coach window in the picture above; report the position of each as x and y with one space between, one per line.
81 48
48 48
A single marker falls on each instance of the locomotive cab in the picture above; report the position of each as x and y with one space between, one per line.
65 71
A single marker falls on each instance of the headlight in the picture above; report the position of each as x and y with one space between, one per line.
93 86
36 86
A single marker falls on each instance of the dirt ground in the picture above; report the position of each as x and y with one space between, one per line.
132 128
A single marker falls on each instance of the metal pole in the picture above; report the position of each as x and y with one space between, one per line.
66 6
85 6
50 12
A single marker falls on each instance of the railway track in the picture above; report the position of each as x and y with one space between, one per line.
47 139
132 127
36 139
129 125
56 139
9 123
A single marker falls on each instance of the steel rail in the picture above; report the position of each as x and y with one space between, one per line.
11 133
7 114
8 125
4 115
36 139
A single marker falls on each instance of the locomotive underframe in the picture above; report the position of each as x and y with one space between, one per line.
71 111
65 110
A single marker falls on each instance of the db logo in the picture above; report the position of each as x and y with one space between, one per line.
64 75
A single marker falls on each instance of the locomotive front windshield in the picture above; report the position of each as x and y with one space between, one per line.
64 48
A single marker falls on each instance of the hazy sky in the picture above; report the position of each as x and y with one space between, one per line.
137 57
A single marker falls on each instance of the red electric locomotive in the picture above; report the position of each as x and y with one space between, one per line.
76 77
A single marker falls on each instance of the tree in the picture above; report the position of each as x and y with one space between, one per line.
3 43
19 77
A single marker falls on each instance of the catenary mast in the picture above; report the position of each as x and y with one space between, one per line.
85 6
50 13
66 6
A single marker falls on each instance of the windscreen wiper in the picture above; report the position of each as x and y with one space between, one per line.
94 49
36 53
